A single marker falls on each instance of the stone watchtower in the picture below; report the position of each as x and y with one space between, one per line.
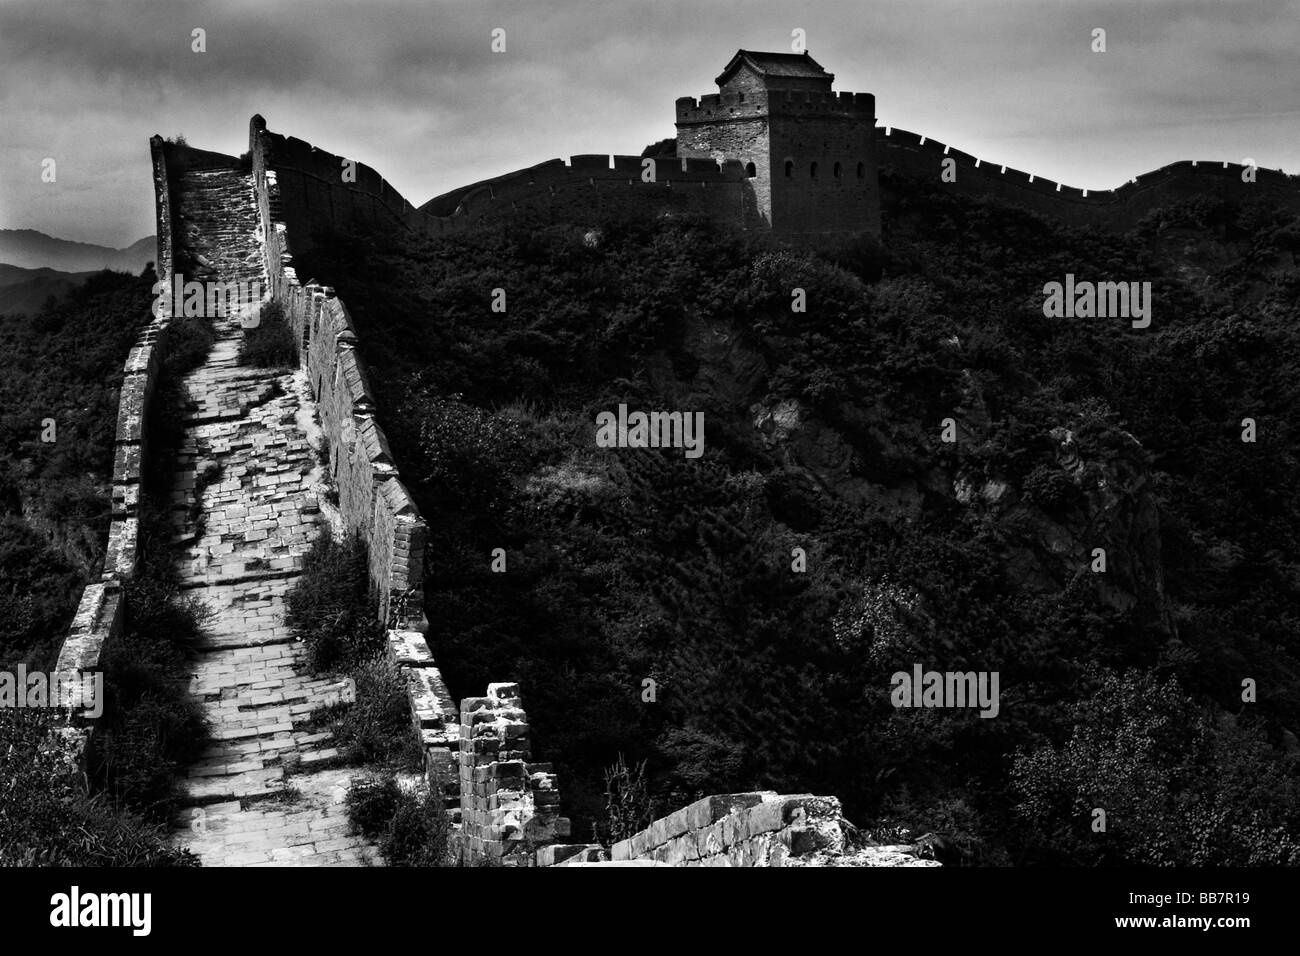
809 152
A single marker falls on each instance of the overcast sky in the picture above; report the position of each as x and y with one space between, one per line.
412 88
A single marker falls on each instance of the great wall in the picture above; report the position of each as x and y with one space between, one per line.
254 486
1113 209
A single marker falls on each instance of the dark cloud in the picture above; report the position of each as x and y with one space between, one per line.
412 88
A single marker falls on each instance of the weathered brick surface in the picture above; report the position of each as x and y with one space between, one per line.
754 829
372 500
509 805
98 619
813 151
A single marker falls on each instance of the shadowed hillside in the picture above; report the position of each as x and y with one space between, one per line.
824 433
27 291
63 364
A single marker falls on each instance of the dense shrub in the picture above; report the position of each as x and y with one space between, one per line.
410 825
628 808
46 817
39 590
1048 487
1176 788
269 344
372 803
63 364
376 728
664 147
329 606
419 830
189 342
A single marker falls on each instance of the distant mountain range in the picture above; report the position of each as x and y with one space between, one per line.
25 290
29 249
34 266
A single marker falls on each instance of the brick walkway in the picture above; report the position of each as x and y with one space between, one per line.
246 506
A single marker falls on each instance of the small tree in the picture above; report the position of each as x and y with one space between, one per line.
627 800
1176 788
419 832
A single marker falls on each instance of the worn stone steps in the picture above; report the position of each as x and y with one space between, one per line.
283 828
245 510
218 220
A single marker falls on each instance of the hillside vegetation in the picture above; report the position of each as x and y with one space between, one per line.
63 362
1120 690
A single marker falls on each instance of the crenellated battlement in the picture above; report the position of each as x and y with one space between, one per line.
593 181
718 107
1119 207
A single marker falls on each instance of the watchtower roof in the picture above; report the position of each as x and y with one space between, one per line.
776 65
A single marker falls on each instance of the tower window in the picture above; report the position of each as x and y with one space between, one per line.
789 169
750 171
862 170
836 170
812 170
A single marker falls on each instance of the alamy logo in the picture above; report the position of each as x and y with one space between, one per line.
69 690
74 909
946 689
194 299
1086 300
651 430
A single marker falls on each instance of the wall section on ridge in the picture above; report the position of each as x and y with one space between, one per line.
592 185
314 196
1120 208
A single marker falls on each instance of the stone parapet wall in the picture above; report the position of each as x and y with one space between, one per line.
762 828
373 502
739 829
434 717
315 197
101 612
372 499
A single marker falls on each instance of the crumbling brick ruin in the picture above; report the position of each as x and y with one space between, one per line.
509 805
